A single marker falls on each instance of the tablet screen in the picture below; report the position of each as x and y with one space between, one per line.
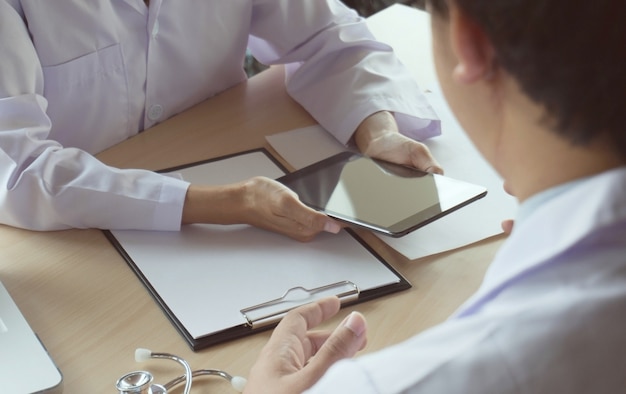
381 196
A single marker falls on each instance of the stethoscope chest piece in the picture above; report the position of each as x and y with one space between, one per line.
139 382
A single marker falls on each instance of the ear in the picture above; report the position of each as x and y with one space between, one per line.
472 48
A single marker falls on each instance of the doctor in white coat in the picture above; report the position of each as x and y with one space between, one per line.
539 88
79 76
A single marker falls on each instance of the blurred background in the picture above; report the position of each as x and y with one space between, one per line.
365 8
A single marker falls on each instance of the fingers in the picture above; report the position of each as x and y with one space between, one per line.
306 230
308 316
422 159
507 226
295 357
406 151
320 349
304 221
383 141
344 342
507 188
275 207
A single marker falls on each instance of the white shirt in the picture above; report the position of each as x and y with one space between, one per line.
79 76
549 317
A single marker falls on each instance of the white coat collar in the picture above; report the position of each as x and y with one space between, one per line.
554 226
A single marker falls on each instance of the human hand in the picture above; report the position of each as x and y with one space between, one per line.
261 202
272 206
295 357
507 225
378 136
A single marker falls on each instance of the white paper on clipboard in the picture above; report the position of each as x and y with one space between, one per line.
205 275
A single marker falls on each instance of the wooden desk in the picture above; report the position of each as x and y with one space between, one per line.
91 311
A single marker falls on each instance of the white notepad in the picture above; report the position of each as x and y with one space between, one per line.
212 280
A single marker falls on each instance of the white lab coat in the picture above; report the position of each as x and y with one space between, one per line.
79 76
549 317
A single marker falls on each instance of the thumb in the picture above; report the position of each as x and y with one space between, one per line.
344 342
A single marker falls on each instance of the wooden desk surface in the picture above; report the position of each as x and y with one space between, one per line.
91 311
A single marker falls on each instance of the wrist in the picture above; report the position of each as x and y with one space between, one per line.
373 128
214 204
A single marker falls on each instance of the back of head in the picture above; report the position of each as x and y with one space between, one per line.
567 55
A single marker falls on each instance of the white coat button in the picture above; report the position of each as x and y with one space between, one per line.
155 112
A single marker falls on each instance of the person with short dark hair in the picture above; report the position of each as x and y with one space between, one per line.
538 87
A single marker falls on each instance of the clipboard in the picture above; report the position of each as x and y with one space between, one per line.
218 283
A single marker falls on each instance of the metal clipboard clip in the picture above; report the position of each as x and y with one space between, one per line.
271 312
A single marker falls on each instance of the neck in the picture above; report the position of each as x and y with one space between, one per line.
533 158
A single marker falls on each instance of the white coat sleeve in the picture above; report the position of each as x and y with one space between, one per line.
336 69
44 186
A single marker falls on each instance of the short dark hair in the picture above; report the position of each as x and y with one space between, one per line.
567 55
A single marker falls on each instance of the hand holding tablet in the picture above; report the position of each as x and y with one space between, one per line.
377 195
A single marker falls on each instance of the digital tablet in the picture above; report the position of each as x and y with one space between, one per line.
388 198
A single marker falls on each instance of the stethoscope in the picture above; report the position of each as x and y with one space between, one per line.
140 382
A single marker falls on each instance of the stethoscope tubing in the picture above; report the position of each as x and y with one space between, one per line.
141 381
198 372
